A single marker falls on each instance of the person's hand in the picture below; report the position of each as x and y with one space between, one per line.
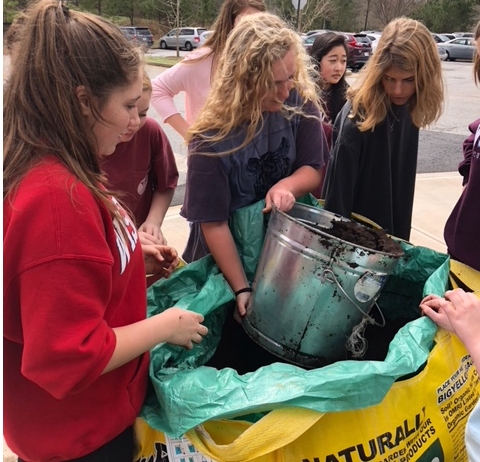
283 199
148 239
458 312
185 326
429 298
160 259
243 301
151 234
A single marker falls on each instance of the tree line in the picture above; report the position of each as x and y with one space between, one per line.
341 15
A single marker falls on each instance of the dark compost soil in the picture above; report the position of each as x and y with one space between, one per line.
371 238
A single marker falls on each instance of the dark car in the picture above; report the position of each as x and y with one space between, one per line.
359 50
140 35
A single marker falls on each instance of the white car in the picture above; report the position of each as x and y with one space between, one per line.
442 53
186 37
460 48
204 36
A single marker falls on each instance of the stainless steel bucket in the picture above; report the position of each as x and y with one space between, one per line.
311 289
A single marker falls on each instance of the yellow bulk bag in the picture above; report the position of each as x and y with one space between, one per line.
420 419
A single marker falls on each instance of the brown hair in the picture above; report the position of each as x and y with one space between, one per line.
225 21
408 45
223 25
59 51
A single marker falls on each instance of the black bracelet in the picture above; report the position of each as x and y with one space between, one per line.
242 291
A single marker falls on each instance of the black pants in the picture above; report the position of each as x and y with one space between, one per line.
120 449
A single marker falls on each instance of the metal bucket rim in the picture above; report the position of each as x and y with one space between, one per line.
327 235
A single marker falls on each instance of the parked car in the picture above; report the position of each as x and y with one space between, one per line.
359 50
141 35
459 48
188 38
463 34
308 40
440 38
450 36
316 31
442 53
374 38
204 36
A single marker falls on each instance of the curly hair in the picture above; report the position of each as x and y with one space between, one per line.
61 50
245 75
476 62
407 45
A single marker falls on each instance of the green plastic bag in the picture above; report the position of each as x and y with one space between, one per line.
186 393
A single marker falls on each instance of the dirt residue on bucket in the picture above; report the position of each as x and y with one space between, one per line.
371 238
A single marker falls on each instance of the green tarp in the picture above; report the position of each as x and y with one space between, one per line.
186 393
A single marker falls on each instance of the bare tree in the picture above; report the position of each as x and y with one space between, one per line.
177 13
313 11
386 10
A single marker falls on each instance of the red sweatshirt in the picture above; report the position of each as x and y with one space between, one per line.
69 278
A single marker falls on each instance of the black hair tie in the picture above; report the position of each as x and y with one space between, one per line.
242 291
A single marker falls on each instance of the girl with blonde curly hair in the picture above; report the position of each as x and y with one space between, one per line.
375 146
258 137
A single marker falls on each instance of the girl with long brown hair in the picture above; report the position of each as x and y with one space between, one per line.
76 340
375 141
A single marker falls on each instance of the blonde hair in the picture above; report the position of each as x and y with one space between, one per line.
407 45
476 63
146 82
245 75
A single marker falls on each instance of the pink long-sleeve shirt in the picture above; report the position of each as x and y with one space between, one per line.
191 76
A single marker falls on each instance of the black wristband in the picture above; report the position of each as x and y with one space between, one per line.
242 291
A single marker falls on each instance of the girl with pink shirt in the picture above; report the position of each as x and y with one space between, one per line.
194 73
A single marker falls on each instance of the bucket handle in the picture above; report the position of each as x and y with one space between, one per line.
328 271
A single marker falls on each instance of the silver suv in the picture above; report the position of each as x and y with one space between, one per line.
188 38
140 35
